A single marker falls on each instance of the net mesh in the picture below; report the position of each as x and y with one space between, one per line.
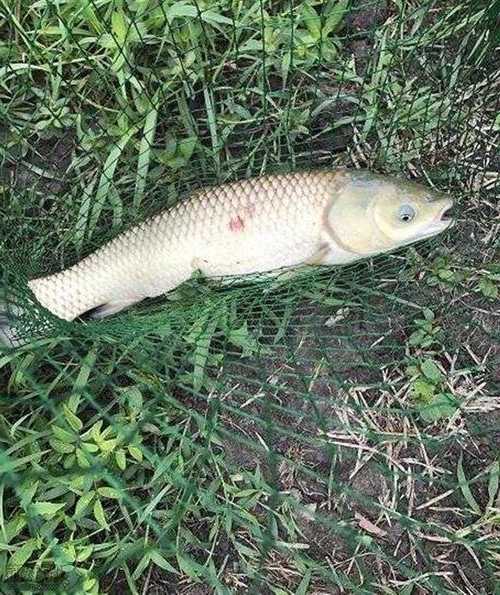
332 433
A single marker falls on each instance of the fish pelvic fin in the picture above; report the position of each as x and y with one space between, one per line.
111 307
9 336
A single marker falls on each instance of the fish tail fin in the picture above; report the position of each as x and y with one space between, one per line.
9 335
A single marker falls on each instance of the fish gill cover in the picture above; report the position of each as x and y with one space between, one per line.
332 433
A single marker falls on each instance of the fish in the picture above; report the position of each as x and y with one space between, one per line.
255 225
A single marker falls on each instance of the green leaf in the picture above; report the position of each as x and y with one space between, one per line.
146 144
69 461
311 20
94 432
63 435
428 314
335 17
84 553
20 557
108 446
99 515
106 492
119 26
488 288
90 584
46 509
136 453
121 459
427 341
107 432
89 447
189 567
431 371
303 587
181 9
493 483
176 163
61 447
245 493
141 5
72 419
91 17
441 406
14 527
423 390
133 397
252 45
170 147
160 561
141 566
286 61
412 371
108 171
186 147
69 552
416 337
82 460
80 483
446 274
464 486
209 16
28 493
202 334
242 338
86 367
83 503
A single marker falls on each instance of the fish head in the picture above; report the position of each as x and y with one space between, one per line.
372 213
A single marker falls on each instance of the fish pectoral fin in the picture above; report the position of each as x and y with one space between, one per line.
318 256
110 308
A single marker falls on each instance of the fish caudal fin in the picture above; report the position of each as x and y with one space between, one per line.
9 337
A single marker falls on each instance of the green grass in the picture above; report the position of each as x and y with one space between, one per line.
331 433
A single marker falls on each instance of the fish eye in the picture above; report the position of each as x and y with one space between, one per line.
406 213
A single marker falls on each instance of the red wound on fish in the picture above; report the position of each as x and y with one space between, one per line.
236 224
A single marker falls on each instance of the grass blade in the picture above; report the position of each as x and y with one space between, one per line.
493 484
147 140
464 486
107 177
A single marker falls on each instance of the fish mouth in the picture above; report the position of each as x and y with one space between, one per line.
446 214
442 221
444 217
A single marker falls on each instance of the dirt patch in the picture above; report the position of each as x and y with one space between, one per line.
324 543
360 25
364 16
371 485
192 590
52 156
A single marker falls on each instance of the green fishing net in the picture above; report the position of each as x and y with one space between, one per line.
335 432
